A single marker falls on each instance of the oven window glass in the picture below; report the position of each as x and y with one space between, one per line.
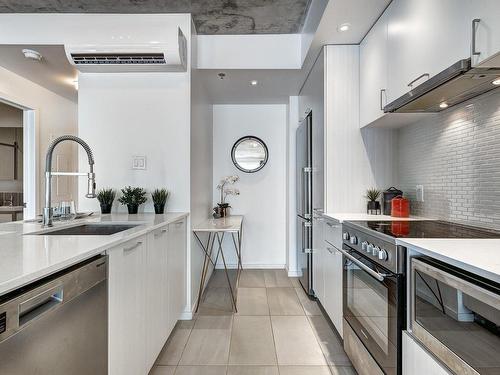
367 301
454 316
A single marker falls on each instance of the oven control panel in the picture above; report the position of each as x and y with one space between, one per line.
382 252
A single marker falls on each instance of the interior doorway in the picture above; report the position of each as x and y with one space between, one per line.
18 164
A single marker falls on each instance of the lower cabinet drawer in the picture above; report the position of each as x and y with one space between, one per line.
333 233
357 353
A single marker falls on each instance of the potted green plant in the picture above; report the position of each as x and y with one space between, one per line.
373 205
132 197
160 197
106 198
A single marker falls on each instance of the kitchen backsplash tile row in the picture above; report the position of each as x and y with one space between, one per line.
456 156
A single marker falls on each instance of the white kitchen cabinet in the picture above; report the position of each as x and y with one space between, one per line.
157 298
319 250
424 38
147 294
417 361
487 38
333 302
126 308
176 271
373 55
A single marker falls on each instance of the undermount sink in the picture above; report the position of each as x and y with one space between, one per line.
89 230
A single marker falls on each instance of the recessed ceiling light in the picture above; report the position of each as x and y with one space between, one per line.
254 82
344 27
496 82
32 55
443 105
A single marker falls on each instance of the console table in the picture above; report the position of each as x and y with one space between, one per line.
217 229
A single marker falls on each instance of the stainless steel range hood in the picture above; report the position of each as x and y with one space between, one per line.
452 86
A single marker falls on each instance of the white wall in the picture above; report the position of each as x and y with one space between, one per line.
293 124
55 116
263 194
201 169
272 51
122 115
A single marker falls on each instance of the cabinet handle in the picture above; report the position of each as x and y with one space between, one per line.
475 22
382 92
160 233
126 249
410 85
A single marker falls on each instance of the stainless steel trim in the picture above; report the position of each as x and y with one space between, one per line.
475 22
382 91
410 85
481 294
133 247
40 304
431 343
376 275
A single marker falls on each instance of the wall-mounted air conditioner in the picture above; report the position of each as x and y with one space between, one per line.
161 53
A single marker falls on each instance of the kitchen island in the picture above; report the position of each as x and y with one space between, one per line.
27 257
146 275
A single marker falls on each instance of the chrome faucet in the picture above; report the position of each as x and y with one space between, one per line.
47 210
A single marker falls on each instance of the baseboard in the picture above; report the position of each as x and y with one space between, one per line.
292 273
252 266
186 315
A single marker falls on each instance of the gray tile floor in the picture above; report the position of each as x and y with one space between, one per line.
278 330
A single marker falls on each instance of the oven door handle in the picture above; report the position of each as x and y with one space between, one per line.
376 275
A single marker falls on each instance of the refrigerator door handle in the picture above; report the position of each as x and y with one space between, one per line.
306 181
306 238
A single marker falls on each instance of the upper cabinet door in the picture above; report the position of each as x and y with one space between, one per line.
485 32
424 38
373 73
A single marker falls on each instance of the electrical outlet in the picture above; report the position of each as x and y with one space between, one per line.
420 193
139 162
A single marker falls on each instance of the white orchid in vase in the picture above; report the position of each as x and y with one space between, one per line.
225 191
222 207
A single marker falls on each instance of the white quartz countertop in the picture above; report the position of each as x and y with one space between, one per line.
479 256
346 216
25 258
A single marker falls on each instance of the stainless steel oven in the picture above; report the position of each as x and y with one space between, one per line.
455 315
374 309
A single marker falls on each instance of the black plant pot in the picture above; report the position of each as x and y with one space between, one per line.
106 208
373 207
132 208
159 208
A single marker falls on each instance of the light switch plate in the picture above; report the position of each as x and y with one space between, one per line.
420 193
139 162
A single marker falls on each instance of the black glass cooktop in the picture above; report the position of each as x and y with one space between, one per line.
426 229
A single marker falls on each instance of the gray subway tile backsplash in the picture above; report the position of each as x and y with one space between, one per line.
456 156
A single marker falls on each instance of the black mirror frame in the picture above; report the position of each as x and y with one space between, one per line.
250 137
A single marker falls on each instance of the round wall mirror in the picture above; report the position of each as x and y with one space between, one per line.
249 154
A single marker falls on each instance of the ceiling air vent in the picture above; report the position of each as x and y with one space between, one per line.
118 58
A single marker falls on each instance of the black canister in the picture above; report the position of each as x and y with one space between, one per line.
390 193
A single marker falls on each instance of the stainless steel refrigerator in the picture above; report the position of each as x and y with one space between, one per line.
310 196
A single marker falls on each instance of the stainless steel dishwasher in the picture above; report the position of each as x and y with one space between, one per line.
57 325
